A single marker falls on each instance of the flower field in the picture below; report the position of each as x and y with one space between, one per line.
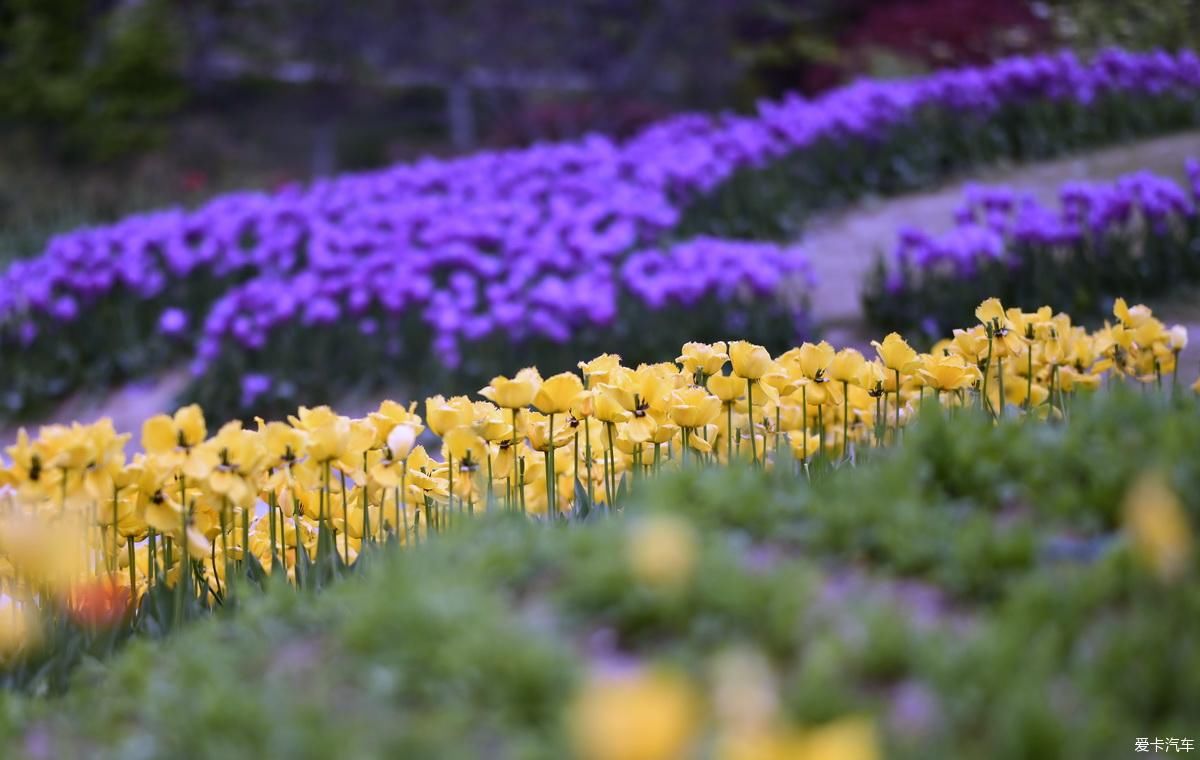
557 250
100 549
622 500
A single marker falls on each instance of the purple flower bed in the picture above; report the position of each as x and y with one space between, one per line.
1138 235
531 244
383 320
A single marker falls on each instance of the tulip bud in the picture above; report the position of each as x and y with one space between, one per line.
400 441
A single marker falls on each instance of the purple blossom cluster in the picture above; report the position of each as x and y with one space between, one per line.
991 220
528 242
474 298
869 108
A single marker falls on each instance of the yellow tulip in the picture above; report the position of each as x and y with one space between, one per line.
814 361
606 408
640 426
598 370
464 446
991 312
694 407
846 366
538 431
558 393
895 353
447 414
516 393
706 358
389 415
1130 317
749 361
948 372
727 388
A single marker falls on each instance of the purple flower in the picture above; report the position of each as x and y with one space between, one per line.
545 240
173 322
64 308
254 385
1085 209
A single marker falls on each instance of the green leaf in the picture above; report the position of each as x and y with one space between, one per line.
583 507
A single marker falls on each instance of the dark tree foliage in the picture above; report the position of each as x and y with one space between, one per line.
93 79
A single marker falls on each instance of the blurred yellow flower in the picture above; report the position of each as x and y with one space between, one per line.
1158 527
662 551
642 716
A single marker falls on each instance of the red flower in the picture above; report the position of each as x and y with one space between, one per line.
99 604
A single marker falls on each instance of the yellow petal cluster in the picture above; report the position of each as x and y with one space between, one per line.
193 507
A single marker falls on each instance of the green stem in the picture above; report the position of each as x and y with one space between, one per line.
1000 381
272 503
896 437
245 538
115 505
750 413
879 405
402 500
987 370
611 470
821 429
551 478
728 435
132 575
224 540
152 556
520 493
587 446
778 433
323 509
345 518
490 490
1029 381
450 499
521 484
366 531
845 419
804 422
185 561
401 514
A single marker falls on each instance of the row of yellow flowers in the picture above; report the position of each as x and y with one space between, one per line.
76 510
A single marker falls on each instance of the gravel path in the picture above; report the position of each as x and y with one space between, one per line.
842 246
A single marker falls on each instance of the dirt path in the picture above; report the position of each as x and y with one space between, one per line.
842 246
